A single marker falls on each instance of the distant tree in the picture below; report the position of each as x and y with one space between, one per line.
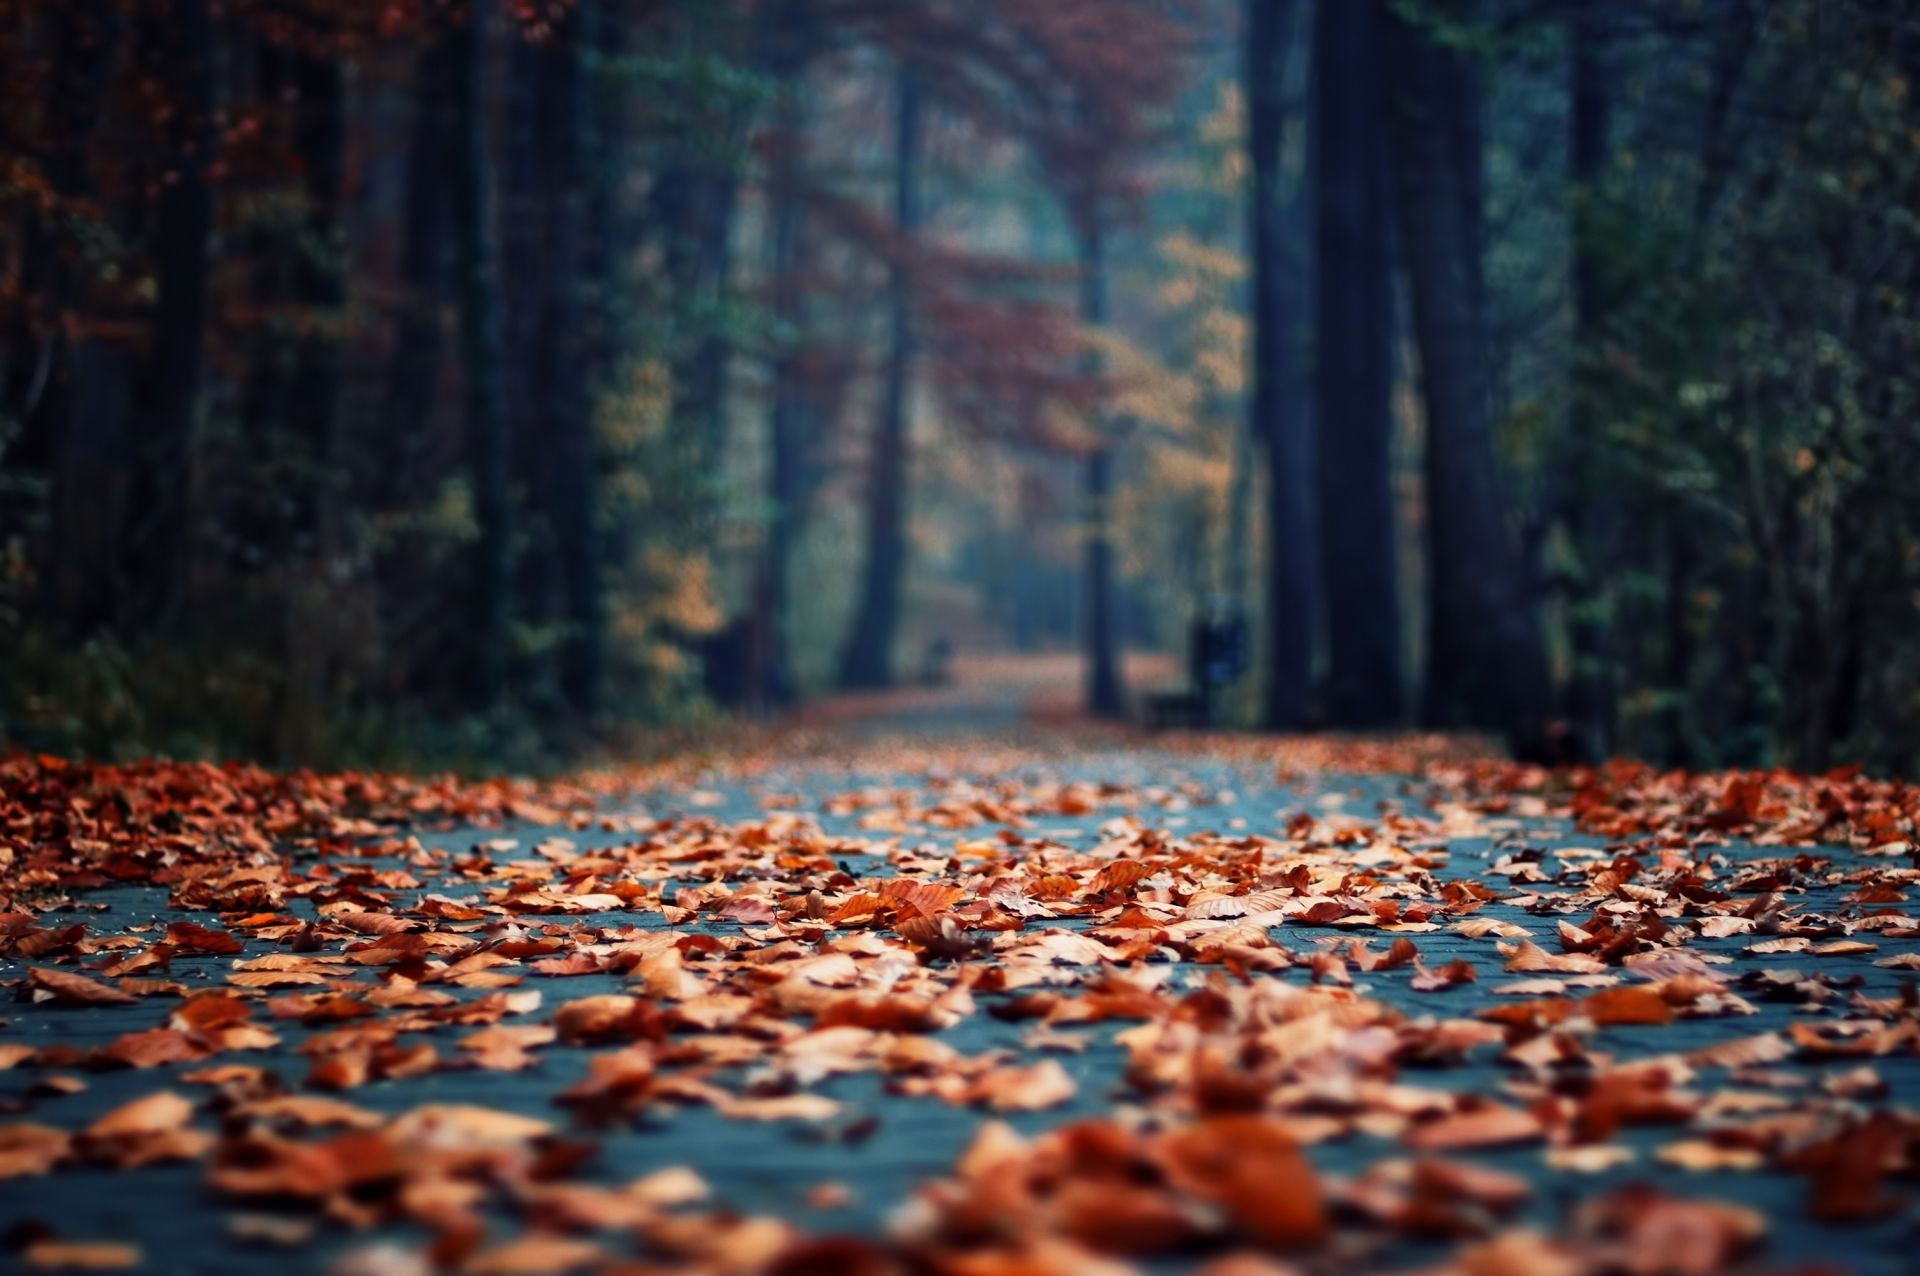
416 361
1591 693
788 50
573 165
482 353
868 658
1105 694
67 381
182 40
1092 75
695 201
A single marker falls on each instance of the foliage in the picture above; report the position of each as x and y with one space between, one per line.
1754 379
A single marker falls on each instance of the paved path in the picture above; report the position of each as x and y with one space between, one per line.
933 809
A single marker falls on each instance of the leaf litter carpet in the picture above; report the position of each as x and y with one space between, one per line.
964 1008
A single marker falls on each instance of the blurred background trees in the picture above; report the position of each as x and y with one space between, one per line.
480 378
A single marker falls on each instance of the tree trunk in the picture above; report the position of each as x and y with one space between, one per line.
70 394
1106 698
1278 418
530 269
868 659
320 289
84 39
320 282
1354 353
90 488
162 501
786 416
1486 666
481 352
1591 693
418 346
568 406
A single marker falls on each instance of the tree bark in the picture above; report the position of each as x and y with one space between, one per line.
868 659
162 502
568 405
1486 666
84 40
530 272
786 479
1278 417
320 282
480 330
69 390
320 289
418 340
1591 693
1355 372
1105 696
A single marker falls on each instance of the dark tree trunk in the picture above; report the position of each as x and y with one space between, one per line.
319 277
1591 694
320 290
162 501
868 659
414 371
1486 666
786 479
84 39
1676 716
70 396
1278 416
530 277
568 402
90 488
1106 698
481 352
1354 352
272 247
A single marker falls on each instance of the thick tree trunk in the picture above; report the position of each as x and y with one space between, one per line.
162 503
1354 351
319 278
1591 692
868 659
84 40
84 580
1486 666
481 352
568 407
786 479
1105 696
414 370
70 394
320 289
530 270
1277 406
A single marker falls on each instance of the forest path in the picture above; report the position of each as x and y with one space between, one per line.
518 1038
985 694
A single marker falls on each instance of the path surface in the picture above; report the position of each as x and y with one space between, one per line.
1017 1007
